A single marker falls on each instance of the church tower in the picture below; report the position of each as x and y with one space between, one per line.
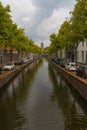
42 45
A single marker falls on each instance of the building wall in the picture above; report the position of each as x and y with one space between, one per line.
61 54
82 52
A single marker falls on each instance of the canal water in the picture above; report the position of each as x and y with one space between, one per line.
39 99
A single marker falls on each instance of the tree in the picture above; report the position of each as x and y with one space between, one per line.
79 24
13 37
55 46
5 23
61 40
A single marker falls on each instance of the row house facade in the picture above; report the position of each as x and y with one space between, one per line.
5 55
82 52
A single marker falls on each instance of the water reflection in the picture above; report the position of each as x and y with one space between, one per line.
74 115
14 97
39 99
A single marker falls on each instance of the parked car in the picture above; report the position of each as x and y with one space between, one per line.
62 64
19 62
57 60
1 69
31 58
71 66
25 60
82 71
9 66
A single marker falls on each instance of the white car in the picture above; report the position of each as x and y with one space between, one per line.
25 60
9 66
31 58
71 66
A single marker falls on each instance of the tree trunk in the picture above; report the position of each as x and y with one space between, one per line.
66 55
11 55
18 55
76 54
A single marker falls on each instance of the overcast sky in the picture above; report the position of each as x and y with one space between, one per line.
40 18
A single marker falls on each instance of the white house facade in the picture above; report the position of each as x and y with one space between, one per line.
82 52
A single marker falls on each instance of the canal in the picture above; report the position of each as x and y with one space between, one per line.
38 98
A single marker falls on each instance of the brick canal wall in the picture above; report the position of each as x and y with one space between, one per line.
77 82
7 76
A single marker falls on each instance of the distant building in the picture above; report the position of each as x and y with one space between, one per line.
42 45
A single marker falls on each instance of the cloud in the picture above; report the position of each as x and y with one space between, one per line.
22 11
53 22
40 18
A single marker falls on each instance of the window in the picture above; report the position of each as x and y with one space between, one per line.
82 56
86 52
77 55
83 43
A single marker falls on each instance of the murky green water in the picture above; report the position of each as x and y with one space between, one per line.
39 99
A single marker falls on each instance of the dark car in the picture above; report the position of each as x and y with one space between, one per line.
62 63
57 60
82 71
19 62
1 69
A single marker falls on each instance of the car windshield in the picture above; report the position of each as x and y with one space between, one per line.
73 64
